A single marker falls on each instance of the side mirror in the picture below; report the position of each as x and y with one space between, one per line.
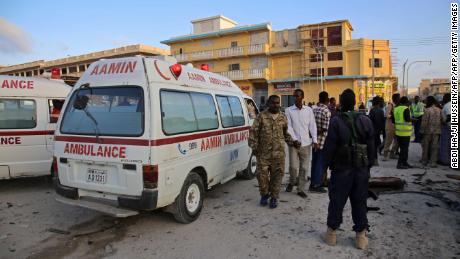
81 102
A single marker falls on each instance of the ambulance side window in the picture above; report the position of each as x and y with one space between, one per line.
18 114
205 111
184 112
231 111
54 108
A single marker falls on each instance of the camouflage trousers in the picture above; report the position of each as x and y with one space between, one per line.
270 176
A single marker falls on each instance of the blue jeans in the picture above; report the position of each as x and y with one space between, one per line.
317 167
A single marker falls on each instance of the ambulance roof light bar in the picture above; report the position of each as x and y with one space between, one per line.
176 70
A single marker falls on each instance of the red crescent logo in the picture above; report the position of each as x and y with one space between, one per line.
159 72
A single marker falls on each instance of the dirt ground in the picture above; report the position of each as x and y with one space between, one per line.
424 223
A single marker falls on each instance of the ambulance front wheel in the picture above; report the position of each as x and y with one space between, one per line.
250 171
189 203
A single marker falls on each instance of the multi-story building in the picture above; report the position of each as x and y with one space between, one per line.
72 68
436 87
313 57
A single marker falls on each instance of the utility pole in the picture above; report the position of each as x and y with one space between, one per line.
404 74
321 71
373 67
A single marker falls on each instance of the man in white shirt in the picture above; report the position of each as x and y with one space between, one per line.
302 127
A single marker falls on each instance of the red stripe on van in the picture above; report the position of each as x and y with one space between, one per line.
109 141
165 141
27 133
145 142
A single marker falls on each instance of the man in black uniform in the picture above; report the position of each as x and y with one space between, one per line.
349 152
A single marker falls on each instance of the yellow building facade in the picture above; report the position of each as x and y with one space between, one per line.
313 57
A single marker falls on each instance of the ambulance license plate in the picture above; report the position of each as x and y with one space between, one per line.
96 176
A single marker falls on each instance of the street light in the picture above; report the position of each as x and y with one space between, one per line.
413 62
320 50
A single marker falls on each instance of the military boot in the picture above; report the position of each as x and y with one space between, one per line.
331 237
264 200
361 240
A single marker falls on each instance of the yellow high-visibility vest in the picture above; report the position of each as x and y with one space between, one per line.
417 109
402 128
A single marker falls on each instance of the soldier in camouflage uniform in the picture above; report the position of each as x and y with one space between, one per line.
266 138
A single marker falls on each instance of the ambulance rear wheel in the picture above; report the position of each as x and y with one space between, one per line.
189 203
250 171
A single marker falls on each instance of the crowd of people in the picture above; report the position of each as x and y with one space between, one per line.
347 141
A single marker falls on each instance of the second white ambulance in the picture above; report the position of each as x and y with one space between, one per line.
29 110
143 133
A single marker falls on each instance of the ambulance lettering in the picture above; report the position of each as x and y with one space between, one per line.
97 151
216 81
234 138
114 68
10 141
196 77
21 84
210 143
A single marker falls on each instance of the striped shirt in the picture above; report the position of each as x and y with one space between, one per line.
322 117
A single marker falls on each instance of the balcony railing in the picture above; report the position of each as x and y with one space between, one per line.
233 75
202 54
181 57
262 73
230 52
223 53
257 48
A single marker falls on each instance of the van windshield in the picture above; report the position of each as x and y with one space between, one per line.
118 111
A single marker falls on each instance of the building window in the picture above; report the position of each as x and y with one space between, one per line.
317 33
317 43
377 62
180 51
334 36
63 70
316 72
42 71
334 71
73 69
233 67
234 44
287 100
81 68
334 56
316 57
29 73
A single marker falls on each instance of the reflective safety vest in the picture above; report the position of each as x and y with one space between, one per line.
417 109
402 127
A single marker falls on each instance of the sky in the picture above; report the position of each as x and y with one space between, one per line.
47 30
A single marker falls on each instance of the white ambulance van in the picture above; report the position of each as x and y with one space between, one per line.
143 133
27 123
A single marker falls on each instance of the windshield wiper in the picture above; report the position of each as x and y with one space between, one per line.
95 125
85 110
